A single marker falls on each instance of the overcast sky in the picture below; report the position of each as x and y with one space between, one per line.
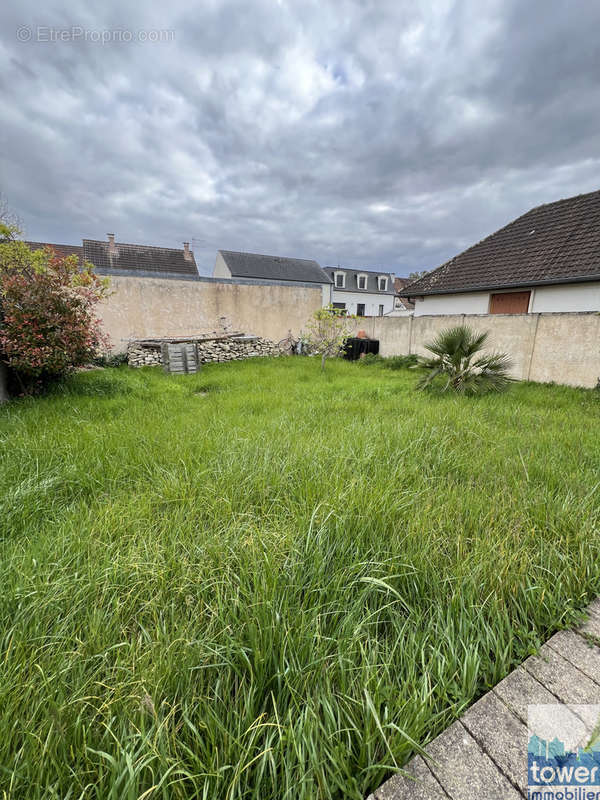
385 134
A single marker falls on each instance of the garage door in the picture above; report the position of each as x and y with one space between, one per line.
509 303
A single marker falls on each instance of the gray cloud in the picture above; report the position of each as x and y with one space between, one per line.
353 133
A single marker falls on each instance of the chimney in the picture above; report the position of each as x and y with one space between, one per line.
111 243
186 251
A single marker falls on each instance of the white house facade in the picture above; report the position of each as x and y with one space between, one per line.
546 261
360 292
538 299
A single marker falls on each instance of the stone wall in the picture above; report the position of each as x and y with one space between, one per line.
209 350
143 307
559 347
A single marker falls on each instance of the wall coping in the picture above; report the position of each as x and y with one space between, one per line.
128 273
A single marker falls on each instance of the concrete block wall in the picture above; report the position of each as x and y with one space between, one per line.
559 347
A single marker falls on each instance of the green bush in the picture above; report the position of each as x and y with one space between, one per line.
392 362
369 359
400 362
49 326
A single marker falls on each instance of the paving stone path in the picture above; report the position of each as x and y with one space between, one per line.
483 755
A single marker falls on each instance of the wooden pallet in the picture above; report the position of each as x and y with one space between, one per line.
180 357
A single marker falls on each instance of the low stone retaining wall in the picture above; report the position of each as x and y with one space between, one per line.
229 348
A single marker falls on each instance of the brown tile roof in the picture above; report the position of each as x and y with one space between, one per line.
130 257
554 243
61 249
400 283
138 258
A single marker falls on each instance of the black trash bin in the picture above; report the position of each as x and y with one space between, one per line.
355 346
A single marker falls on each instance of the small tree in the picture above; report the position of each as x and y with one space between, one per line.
8 216
418 273
459 366
47 304
326 332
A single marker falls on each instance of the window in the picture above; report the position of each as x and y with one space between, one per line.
340 306
382 283
360 309
340 280
380 310
361 281
509 303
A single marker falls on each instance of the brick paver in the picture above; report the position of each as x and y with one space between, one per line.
484 754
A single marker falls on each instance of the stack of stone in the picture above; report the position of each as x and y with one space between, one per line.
143 355
230 348
234 348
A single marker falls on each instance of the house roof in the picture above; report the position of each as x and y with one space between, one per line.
399 284
61 249
553 243
130 257
256 265
138 258
352 279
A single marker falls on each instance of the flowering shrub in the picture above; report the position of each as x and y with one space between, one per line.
47 304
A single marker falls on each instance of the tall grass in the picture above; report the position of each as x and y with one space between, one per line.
263 582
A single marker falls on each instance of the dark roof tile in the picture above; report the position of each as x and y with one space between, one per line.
130 257
352 279
256 265
553 243
61 249
138 258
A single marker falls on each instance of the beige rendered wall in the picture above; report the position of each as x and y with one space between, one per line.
392 332
145 307
559 347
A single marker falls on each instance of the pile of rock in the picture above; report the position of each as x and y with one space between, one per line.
139 355
147 353
234 348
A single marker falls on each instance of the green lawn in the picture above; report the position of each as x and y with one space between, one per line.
262 582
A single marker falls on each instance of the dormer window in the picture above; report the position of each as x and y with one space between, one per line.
361 281
340 280
382 283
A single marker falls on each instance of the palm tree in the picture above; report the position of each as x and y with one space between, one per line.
458 364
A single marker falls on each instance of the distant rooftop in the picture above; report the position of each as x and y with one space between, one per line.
62 250
111 255
372 276
257 265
